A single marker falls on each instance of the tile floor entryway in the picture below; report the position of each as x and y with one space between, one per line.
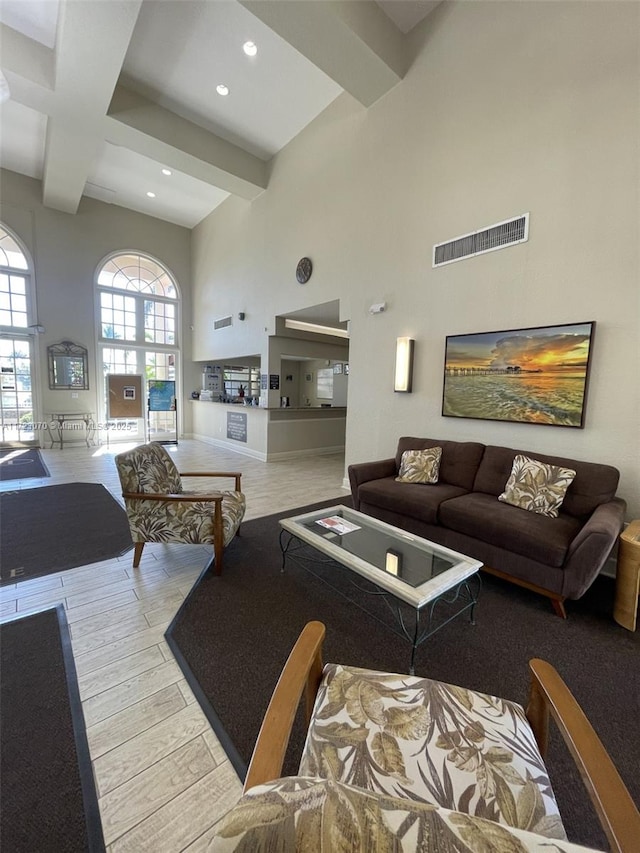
163 780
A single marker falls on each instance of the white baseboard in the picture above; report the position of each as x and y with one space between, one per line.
311 451
271 457
245 451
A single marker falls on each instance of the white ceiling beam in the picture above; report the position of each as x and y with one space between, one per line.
91 44
137 123
352 41
26 58
77 129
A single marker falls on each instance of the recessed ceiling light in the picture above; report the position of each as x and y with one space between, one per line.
166 171
151 195
250 48
221 89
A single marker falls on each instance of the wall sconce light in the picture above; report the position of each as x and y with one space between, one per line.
404 364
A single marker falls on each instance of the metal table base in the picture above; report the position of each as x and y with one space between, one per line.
426 620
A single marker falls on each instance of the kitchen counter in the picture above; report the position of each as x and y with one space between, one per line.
269 434
274 408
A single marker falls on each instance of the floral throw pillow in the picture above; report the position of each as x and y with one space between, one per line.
420 466
537 486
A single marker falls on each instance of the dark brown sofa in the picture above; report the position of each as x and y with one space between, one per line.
558 557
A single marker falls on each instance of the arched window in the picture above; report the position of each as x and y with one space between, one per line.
16 345
138 323
13 283
137 273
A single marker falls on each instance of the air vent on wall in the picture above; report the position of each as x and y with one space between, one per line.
497 236
223 322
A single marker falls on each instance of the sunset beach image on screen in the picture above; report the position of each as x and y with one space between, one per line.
536 375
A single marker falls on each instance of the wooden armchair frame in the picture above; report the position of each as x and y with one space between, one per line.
214 497
549 696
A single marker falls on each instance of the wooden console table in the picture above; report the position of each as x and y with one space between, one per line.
625 608
57 428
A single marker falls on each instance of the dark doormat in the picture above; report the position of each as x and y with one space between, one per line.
54 528
234 633
49 801
20 463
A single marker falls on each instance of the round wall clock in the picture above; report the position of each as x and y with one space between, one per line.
303 270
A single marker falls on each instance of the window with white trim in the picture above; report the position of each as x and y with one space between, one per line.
138 305
16 345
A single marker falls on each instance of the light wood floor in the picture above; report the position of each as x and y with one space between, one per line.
163 780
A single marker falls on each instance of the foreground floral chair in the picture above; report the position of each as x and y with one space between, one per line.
397 762
159 510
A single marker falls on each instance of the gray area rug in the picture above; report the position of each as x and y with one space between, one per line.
234 633
54 528
17 463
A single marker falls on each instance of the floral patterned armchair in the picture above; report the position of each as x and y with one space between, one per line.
399 762
159 510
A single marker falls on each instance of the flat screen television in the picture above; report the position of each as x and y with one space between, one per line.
532 376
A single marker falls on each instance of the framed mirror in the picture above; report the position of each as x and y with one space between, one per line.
68 366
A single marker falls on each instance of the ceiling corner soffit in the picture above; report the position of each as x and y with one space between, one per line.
23 57
353 43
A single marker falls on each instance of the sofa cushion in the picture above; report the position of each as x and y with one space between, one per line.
459 463
534 536
420 466
537 486
594 483
412 500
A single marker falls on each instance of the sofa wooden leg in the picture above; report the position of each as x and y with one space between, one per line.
558 606
556 600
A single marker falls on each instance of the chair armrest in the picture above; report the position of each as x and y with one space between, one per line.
210 474
235 474
173 498
302 671
616 810
364 472
589 550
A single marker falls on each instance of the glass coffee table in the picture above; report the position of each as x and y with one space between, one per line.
436 583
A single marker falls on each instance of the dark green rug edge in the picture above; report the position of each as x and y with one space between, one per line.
237 762
92 820
89 794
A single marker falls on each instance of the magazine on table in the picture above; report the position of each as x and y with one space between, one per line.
338 524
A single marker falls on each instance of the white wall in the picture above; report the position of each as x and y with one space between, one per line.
66 250
507 108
